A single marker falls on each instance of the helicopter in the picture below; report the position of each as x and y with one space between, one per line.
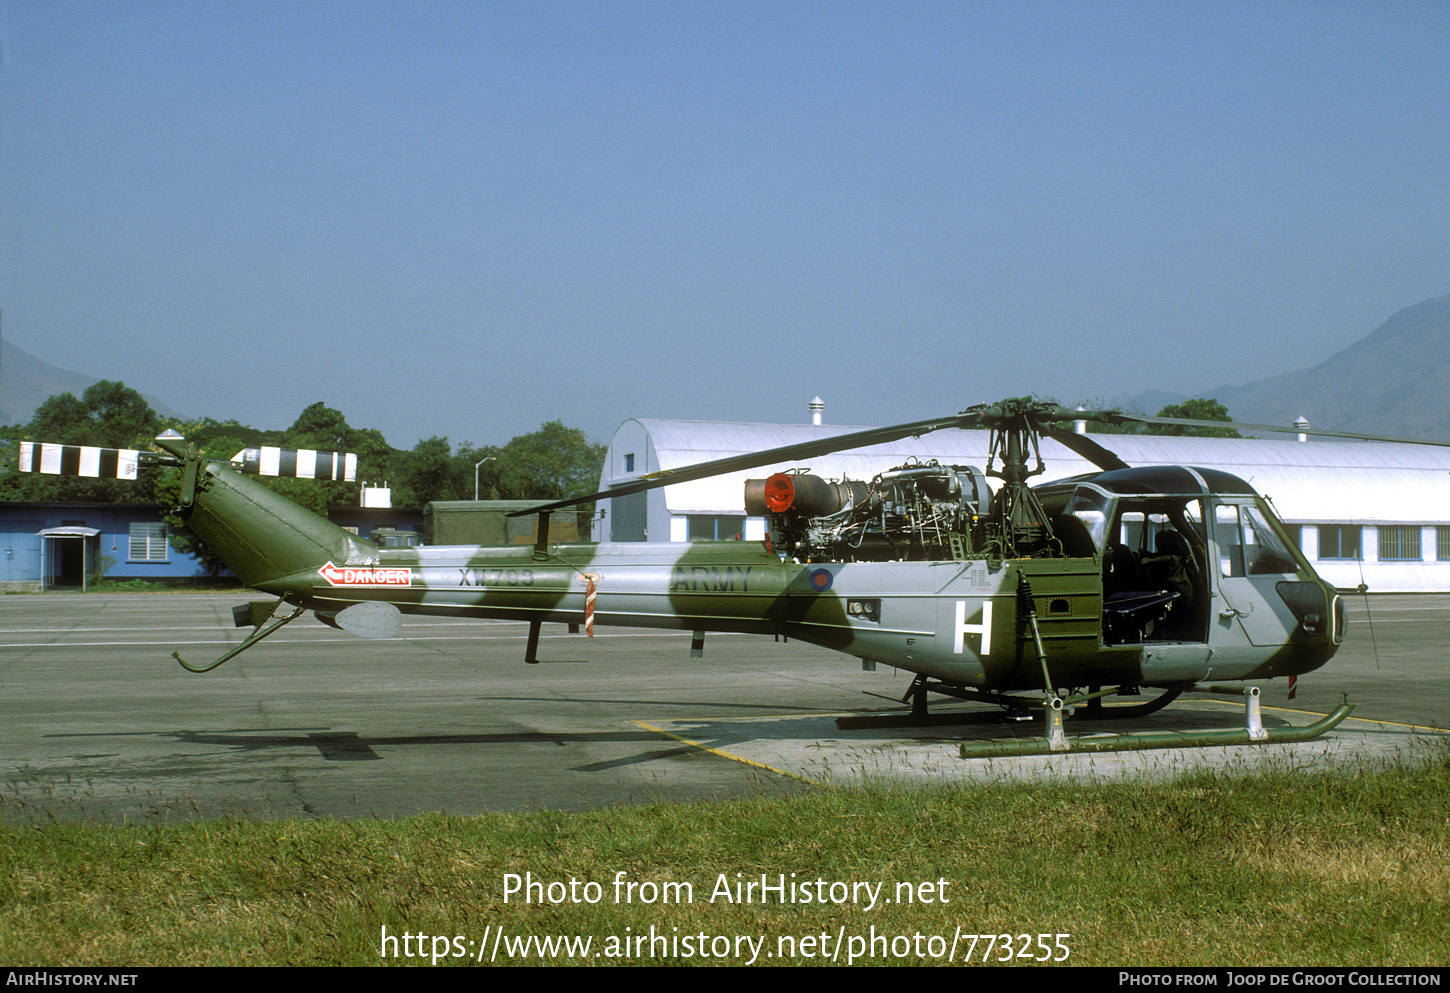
1119 582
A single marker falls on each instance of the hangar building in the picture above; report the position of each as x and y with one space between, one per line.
1370 513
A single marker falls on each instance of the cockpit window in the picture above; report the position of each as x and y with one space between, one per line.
1193 521
1091 506
1248 545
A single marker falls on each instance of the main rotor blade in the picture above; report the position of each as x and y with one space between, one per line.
1082 445
753 460
1118 417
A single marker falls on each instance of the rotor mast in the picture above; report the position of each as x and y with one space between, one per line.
1016 511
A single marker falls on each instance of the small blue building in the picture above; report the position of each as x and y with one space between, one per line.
45 545
60 544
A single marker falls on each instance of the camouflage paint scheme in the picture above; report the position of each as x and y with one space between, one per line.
960 621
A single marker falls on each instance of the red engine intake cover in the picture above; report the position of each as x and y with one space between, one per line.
779 493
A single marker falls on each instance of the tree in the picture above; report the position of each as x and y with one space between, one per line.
1197 410
323 429
62 420
551 463
429 472
107 415
119 416
204 430
554 462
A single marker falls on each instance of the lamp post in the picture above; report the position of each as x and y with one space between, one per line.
475 474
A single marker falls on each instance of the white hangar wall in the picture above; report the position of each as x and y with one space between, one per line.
1363 512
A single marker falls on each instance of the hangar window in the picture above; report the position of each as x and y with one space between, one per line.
1442 544
1339 541
148 542
1399 543
629 462
704 527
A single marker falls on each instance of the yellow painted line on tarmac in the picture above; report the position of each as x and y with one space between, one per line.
726 755
1312 713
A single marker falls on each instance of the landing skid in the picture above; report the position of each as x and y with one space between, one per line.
1055 741
1017 707
1253 733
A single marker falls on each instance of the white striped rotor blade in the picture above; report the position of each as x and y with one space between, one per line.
78 460
302 463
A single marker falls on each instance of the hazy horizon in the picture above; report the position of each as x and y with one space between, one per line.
466 219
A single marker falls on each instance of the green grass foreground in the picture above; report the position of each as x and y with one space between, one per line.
1293 868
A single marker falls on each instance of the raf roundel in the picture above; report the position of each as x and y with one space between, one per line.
821 580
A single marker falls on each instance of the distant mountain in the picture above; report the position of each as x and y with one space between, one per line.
26 383
1394 382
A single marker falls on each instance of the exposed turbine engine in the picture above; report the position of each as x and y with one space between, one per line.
912 512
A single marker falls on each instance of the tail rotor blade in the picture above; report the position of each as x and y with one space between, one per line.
122 463
301 463
81 460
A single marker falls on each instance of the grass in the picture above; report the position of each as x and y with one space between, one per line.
1288 868
176 584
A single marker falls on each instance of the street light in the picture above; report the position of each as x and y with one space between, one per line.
475 474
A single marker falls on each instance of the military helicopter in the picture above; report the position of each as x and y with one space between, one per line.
1130 579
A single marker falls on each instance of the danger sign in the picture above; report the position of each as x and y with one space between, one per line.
366 576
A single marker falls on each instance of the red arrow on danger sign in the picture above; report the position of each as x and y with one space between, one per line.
368 576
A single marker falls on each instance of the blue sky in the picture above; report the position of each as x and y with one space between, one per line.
466 219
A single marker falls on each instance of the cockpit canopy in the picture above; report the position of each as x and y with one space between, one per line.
1148 506
1167 479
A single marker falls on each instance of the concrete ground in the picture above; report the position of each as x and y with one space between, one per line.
97 722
